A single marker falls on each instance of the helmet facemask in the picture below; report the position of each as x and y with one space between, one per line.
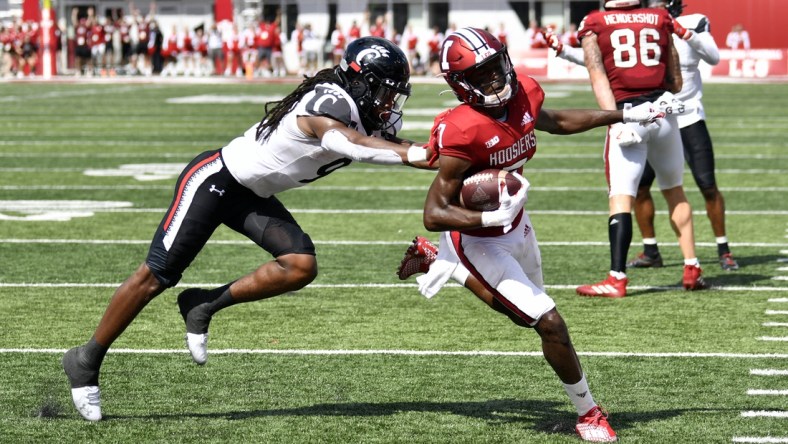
490 81
384 102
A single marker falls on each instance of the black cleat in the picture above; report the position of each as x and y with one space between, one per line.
644 261
728 263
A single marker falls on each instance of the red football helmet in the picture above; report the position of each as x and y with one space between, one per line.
477 67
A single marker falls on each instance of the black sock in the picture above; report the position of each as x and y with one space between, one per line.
619 230
651 250
93 354
223 299
723 249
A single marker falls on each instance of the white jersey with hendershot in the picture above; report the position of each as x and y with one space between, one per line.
700 46
288 158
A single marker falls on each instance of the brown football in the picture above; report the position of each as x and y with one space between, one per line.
482 191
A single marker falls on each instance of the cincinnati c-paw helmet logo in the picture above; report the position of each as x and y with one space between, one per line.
373 52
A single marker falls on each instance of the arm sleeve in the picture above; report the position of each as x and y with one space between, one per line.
572 54
337 142
703 43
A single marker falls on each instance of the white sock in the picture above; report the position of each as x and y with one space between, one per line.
693 261
722 240
580 396
618 274
649 241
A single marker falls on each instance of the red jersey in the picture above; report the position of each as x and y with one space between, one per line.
486 142
634 47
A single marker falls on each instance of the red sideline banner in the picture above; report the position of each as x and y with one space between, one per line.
753 64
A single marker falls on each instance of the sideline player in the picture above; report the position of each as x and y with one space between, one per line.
342 114
495 253
629 54
693 42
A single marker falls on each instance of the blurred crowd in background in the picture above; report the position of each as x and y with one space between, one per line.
135 44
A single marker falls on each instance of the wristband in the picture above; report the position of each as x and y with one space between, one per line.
492 218
417 154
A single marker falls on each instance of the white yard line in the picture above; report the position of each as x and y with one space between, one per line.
370 285
775 324
361 243
773 338
538 354
776 312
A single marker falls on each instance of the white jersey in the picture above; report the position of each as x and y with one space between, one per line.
288 158
700 47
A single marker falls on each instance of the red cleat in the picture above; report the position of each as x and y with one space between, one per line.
419 256
692 279
593 426
609 288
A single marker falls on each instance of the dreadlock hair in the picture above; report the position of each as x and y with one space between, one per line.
275 111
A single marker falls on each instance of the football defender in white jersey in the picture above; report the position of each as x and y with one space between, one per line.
343 114
693 42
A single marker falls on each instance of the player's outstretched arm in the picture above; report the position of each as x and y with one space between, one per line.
337 137
571 121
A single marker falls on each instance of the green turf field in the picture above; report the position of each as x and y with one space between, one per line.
360 356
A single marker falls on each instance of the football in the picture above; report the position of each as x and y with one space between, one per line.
482 191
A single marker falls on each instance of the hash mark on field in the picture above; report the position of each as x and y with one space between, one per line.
773 338
764 413
758 392
759 440
775 324
777 300
776 312
768 372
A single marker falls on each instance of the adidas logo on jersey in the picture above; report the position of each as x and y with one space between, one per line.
527 119
492 142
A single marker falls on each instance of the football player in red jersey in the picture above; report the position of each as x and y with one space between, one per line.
499 256
631 59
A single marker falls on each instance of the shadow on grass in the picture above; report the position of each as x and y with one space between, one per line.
541 416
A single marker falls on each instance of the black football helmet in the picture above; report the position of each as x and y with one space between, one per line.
375 73
674 7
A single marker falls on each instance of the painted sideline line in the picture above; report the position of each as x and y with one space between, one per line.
246 351
370 243
764 413
311 286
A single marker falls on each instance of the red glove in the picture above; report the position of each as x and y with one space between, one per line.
682 32
553 41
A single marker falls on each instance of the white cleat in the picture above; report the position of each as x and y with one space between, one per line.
198 346
87 400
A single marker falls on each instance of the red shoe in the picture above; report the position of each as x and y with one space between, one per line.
593 426
419 256
609 288
692 279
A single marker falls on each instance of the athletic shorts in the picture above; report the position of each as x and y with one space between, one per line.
207 195
624 166
510 267
699 154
